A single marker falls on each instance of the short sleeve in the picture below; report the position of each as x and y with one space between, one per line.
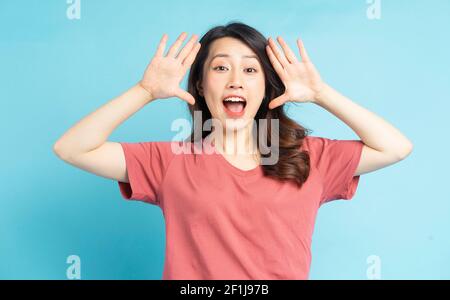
336 161
147 163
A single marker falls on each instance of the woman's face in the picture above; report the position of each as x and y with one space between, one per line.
232 68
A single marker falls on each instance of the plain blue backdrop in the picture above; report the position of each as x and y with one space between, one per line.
54 71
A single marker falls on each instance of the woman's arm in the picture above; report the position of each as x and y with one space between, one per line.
384 144
85 145
94 129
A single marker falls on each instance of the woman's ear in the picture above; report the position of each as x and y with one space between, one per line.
199 88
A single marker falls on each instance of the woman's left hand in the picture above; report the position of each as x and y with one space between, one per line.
301 79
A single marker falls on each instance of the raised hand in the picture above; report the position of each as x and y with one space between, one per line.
163 75
301 79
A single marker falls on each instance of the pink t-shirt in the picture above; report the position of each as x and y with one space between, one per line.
226 223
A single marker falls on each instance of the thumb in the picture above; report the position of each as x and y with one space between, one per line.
182 94
278 101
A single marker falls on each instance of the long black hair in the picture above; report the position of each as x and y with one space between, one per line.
293 164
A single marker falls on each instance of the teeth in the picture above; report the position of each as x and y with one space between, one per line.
234 99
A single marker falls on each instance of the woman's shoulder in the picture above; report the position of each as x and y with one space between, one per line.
312 142
173 148
315 146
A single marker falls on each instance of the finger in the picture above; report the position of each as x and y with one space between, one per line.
280 56
191 56
276 64
303 53
174 49
161 46
278 101
182 94
187 48
287 51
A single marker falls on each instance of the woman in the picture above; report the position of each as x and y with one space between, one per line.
228 214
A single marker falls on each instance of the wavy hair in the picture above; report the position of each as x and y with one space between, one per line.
293 163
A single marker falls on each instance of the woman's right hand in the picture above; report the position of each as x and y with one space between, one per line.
163 75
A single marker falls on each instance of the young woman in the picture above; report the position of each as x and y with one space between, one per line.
227 214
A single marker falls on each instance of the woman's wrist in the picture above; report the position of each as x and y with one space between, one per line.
322 94
147 93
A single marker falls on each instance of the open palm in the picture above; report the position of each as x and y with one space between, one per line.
164 74
301 79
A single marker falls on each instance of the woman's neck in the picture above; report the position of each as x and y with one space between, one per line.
236 143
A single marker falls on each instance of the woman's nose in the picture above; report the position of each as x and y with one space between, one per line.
235 81
235 85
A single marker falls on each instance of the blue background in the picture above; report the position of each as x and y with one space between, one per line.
54 71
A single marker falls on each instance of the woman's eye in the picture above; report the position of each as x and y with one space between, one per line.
219 67
216 68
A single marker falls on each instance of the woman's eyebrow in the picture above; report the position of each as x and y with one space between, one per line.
227 55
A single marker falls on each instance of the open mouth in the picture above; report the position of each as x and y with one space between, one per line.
234 106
